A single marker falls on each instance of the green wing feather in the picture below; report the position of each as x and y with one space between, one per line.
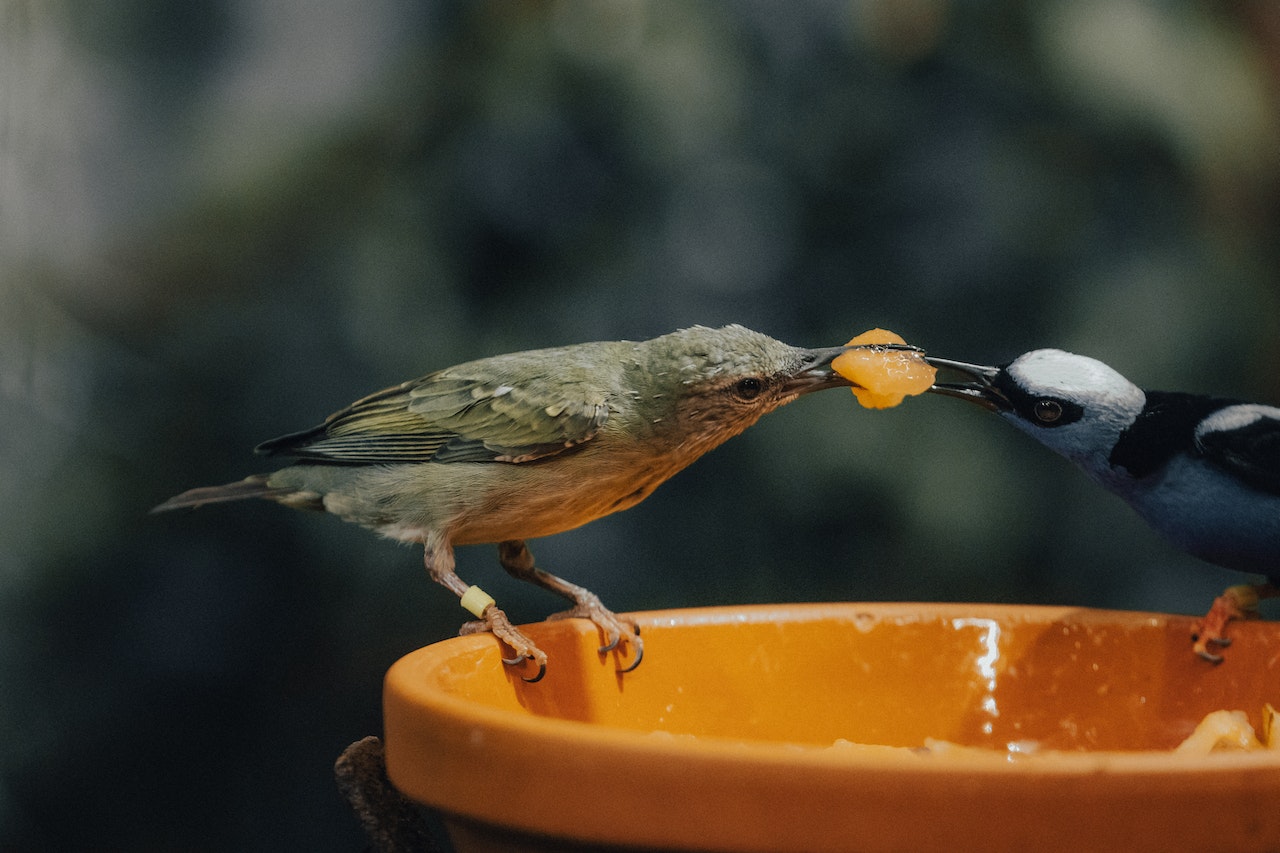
449 417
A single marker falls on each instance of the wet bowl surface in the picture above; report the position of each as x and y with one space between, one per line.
842 727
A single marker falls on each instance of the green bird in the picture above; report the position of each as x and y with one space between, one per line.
528 444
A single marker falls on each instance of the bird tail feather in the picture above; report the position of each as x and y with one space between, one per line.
250 487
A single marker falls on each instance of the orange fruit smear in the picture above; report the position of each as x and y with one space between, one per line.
884 377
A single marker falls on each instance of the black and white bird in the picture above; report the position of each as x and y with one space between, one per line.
1203 471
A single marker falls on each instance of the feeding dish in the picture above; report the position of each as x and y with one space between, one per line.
868 727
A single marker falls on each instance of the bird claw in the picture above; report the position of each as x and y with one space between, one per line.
495 621
617 641
519 659
639 655
1202 643
1235 603
615 628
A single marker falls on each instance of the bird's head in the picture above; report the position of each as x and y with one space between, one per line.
711 384
1074 405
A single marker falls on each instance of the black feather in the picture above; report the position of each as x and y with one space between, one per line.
1250 452
1166 426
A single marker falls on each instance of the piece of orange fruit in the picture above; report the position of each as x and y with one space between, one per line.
884 377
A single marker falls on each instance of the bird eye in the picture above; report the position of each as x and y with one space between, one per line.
1047 411
748 388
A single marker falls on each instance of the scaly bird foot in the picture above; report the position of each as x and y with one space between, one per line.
496 622
1236 602
617 630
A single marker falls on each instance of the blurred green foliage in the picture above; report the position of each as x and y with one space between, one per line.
221 221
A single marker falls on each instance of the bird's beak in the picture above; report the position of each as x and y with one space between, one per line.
816 374
980 387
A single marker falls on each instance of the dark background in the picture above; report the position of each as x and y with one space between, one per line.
221 221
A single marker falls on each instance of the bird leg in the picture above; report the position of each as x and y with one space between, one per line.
438 557
516 558
1236 602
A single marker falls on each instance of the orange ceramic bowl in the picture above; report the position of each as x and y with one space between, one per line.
739 730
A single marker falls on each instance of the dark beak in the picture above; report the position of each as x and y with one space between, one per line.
980 387
815 373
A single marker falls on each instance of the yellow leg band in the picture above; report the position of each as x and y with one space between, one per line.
476 600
